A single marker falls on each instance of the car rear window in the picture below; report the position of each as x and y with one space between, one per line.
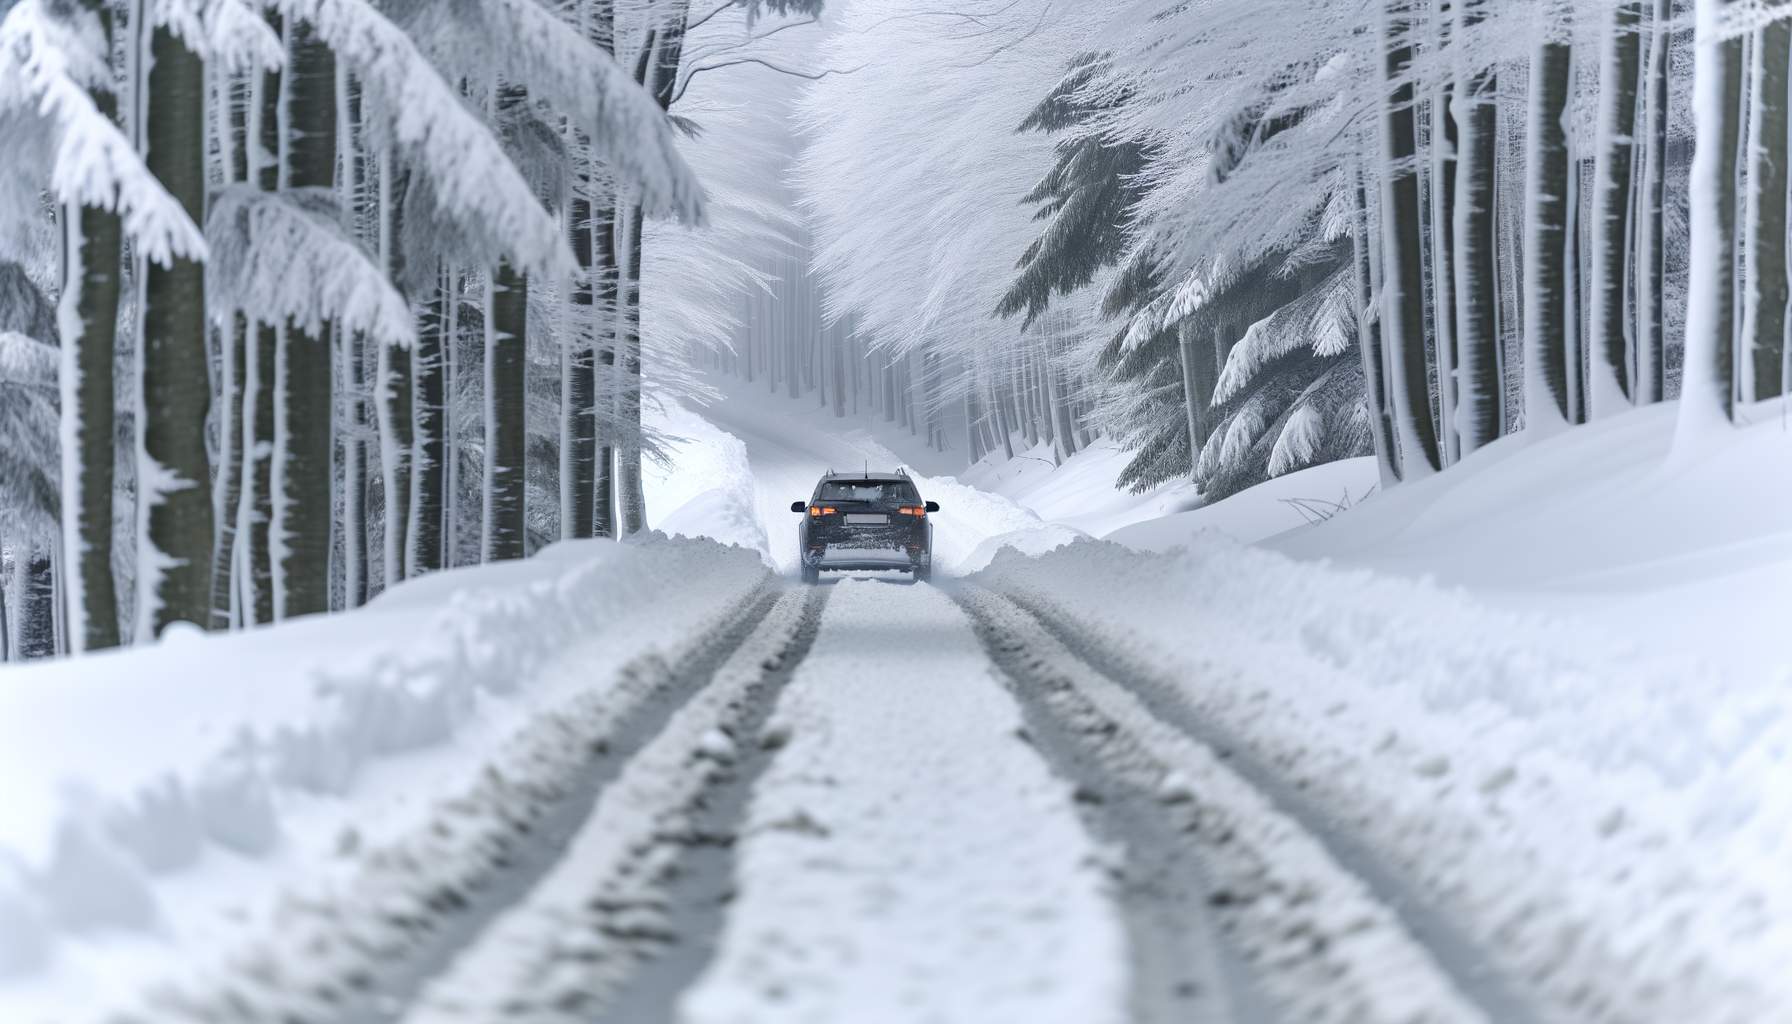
869 490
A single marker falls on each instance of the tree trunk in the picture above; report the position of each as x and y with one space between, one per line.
351 350
1574 333
1707 393
657 70
506 496
255 510
87 322
37 601
230 95
1611 386
838 336
605 273
1444 141
1651 365
1547 406
608 273
631 504
1193 407
304 425
578 385
429 444
1403 281
1764 309
1480 355
227 488
1369 343
394 398
174 509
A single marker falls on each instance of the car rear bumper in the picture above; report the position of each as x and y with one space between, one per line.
862 559
902 544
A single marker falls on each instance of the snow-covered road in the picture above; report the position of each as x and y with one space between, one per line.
1090 787
869 801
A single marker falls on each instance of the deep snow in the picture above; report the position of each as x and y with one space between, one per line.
157 809
1540 699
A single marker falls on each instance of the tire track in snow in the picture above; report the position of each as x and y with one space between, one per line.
907 857
620 925
1473 970
1315 942
359 948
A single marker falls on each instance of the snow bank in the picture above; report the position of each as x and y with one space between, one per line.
150 794
1285 503
706 487
1609 821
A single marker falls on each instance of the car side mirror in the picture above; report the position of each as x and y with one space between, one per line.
798 506
933 506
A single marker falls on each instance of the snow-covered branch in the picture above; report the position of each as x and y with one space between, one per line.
230 32
286 255
47 56
410 105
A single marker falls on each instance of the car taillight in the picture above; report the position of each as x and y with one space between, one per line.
913 510
817 511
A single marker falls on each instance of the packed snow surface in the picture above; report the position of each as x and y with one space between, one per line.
1607 821
907 856
158 801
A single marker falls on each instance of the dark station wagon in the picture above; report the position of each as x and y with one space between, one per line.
865 521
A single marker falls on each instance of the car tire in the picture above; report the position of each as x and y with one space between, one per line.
811 574
924 572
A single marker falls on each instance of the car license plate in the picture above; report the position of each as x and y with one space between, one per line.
866 520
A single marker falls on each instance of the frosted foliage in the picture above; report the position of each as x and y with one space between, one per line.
1298 442
914 169
231 32
1320 320
286 256
549 58
692 280
424 119
58 138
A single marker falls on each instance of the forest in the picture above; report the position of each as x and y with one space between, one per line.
303 298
